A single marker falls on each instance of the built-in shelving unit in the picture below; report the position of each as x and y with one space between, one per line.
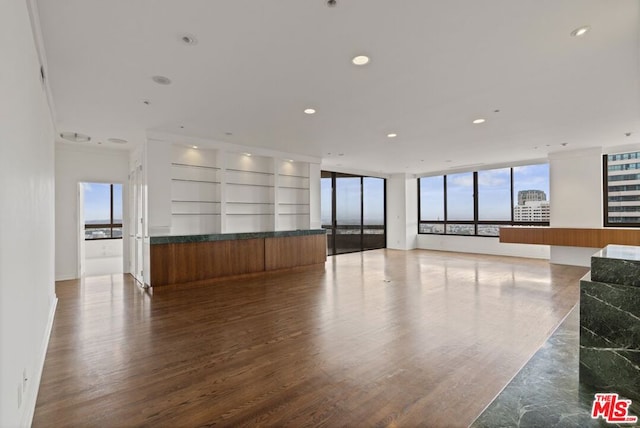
249 193
213 190
292 193
195 191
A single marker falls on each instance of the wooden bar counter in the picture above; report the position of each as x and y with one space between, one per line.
187 259
570 237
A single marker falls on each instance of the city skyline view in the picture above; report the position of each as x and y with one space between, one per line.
494 196
494 193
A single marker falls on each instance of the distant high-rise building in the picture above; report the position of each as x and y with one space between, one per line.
530 196
532 207
532 211
623 188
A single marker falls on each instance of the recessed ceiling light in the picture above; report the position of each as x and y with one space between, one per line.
477 121
161 80
289 160
247 154
392 135
580 31
146 102
188 39
117 140
75 137
360 60
309 110
194 147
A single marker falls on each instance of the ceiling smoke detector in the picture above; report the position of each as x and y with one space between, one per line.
188 39
75 137
161 80
331 3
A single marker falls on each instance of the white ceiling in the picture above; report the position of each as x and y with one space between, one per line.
435 66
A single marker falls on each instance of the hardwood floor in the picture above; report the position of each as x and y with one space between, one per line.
381 338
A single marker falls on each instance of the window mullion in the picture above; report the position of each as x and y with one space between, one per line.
475 202
111 209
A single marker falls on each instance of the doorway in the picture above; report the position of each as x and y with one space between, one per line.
101 243
353 210
136 225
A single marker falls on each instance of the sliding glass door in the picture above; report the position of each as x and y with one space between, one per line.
353 212
373 213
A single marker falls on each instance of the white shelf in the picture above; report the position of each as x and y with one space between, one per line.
293 175
195 191
199 202
194 181
249 171
195 214
250 184
251 214
194 166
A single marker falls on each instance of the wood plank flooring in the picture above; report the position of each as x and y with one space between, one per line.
381 338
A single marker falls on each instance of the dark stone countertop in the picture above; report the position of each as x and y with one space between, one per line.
181 239
622 252
617 264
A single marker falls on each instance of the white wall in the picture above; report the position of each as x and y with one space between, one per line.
27 293
576 199
314 196
157 173
402 212
103 257
75 164
481 245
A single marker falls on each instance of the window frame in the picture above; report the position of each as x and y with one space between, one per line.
111 225
475 222
605 190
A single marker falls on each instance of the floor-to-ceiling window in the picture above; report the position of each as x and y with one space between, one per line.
353 212
478 203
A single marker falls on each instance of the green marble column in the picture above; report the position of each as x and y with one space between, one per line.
610 323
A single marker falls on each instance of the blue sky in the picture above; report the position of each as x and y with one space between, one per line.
348 200
97 200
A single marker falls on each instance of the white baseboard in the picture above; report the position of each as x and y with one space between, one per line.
66 277
30 400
